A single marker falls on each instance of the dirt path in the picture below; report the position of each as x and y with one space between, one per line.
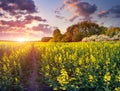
34 85
33 76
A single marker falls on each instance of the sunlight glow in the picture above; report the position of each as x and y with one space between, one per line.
21 40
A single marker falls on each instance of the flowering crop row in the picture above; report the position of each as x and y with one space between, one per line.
15 65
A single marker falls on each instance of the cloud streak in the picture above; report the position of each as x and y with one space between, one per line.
45 28
103 13
115 11
37 18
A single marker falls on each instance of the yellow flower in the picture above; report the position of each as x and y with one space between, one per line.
76 87
93 59
118 78
117 89
47 67
107 62
87 60
63 77
78 72
72 86
15 63
80 62
55 88
16 79
91 78
63 88
46 74
114 65
54 69
4 68
107 77
72 79
51 85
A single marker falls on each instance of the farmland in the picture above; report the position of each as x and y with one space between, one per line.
76 66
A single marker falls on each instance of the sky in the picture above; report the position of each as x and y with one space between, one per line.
34 19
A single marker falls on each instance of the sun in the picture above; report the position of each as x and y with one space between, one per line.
21 40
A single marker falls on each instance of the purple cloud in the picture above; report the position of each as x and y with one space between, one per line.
85 9
12 23
15 6
71 19
114 11
103 13
19 13
37 18
79 8
45 28
59 17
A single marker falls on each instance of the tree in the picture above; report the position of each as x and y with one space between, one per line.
89 28
78 31
46 39
57 36
112 31
103 29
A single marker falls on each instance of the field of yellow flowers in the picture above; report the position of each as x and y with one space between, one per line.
81 66
94 66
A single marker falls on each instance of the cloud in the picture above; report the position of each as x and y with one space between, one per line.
117 16
17 15
87 18
71 19
1 14
85 9
70 1
114 11
15 6
12 23
59 17
103 13
78 8
100 23
37 18
45 28
3 28
17 29
20 25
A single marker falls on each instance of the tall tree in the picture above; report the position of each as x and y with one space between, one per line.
57 36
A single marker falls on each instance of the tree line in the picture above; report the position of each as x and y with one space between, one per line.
80 30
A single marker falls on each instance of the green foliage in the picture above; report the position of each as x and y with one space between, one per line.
57 36
76 32
103 30
112 31
81 30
